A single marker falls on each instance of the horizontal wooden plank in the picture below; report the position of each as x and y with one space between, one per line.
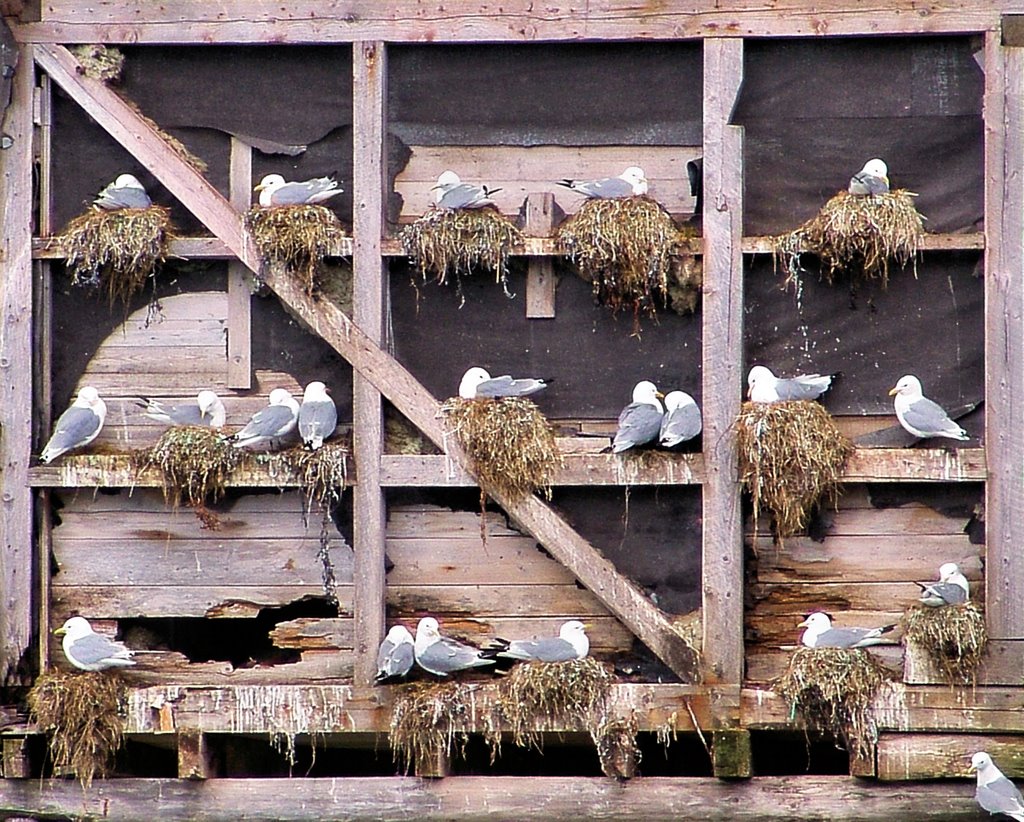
316 634
967 241
906 520
780 630
1003 664
535 600
797 598
904 757
166 668
916 465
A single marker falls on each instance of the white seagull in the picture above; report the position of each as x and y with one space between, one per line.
919 415
276 420
318 417
396 654
478 384
821 634
764 386
90 651
681 421
125 192
951 589
451 193
78 426
640 421
441 655
207 410
871 180
631 183
994 792
571 643
274 191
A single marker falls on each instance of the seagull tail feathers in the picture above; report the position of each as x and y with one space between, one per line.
567 183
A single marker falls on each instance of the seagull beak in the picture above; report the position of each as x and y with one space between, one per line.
659 395
893 391
971 768
434 188
60 631
802 624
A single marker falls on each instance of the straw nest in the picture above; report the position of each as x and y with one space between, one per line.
792 457
81 716
451 243
430 721
117 251
323 473
510 442
103 63
953 636
833 689
297 237
178 147
624 248
858 236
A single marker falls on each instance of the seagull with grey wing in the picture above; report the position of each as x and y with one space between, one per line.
90 651
396 654
994 792
819 633
318 416
631 183
640 421
441 655
919 415
452 194
764 386
682 420
125 192
478 384
951 589
571 643
207 411
871 180
275 191
273 422
77 426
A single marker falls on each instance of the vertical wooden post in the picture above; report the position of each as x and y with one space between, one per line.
193 755
540 276
16 558
730 754
722 360
1004 337
239 294
369 93
16 762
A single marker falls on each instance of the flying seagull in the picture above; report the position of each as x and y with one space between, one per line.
318 416
78 426
681 421
871 180
274 191
478 384
764 386
90 651
274 421
396 654
919 415
821 634
631 183
951 589
571 643
451 193
442 655
207 410
994 792
125 192
640 421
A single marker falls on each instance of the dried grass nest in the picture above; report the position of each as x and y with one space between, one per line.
792 457
953 636
323 473
196 463
856 236
833 690
103 63
297 237
450 243
511 444
117 251
81 714
430 720
630 250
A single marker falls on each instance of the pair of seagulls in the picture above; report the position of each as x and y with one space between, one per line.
645 420
442 656
315 419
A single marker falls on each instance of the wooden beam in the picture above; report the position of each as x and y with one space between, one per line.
722 358
731 755
1004 337
193 755
16 762
551 799
540 272
239 293
902 757
16 555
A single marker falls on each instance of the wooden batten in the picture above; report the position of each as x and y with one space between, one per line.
239 370
903 757
194 761
540 275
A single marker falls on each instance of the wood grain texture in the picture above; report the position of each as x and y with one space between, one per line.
540 273
903 757
239 353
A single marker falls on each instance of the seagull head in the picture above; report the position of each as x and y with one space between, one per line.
981 761
74 628
399 635
316 391
634 175
427 633
948 569
876 168
88 397
816 624
447 179
271 182
575 633
677 399
470 380
760 382
908 386
127 181
206 400
647 392
280 396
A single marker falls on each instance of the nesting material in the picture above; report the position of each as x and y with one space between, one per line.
81 716
792 457
446 244
297 237
428 723
196 463
624 248
954 637
511 444
117 251
617 749
856 236
323 473
833 690
103 63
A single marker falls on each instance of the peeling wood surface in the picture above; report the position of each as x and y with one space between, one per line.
903 757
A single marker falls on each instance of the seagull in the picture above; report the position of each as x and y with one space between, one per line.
821 634
276 420
125 192
77 426
571 643
871 180
451 193
396 654
274 191
207 410
90 651
919 415
681 421
951 589
478 384
442 655
764 386
631 183
318 416
995 793
640 421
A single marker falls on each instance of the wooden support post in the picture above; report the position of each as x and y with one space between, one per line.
1004 337
369 94
540 276
722 363
16 555
193 755
16 763
435 764
239 294
730 754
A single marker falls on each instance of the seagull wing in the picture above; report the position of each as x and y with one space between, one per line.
317 421
1001 796
928 419
465 195
806 387
639 423
554 649
186 414
507 387
273 421
680 425
76 427
447 656
112 199
606 189
96 649
309 191
943 593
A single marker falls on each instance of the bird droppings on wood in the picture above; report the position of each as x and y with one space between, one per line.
833 691
117 251
855 236
953 636
299 238
792 457
447 244
82 715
